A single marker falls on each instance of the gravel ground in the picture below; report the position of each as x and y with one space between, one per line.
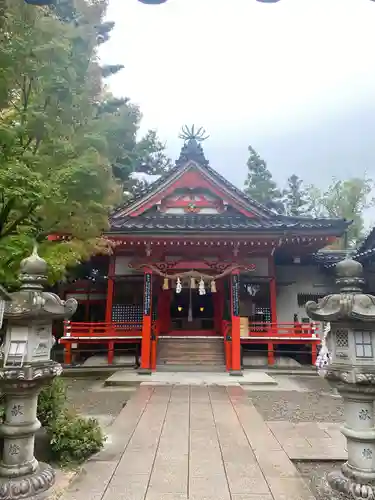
317 403
83 395
313 473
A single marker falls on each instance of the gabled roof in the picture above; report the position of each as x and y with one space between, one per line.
243 214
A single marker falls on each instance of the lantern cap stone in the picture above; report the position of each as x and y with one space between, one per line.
350 303
349 268
349 276
34 265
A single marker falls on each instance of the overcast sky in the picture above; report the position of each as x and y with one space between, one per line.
295 79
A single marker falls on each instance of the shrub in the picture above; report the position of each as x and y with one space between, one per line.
51 401
74 438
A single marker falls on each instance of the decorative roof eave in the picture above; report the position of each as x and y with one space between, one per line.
368 243
214 240
238 198
265 232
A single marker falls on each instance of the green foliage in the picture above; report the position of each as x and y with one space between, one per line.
67 146
74 439
344 198
259 184
295 197
51 401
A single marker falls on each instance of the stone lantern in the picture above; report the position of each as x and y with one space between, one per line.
25 367
350 369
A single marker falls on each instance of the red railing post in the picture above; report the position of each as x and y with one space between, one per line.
236 322
146 323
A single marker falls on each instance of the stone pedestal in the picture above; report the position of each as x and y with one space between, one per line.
26 366
357 476
348 364
21 476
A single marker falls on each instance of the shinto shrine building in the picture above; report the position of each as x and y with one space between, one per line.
198 270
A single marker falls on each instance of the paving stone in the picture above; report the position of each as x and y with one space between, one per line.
157 495
199 443
220 496
127 487
170 478
247 479
91 482
213 485
310 430
275 464
289 489
295 443
252 497
139 462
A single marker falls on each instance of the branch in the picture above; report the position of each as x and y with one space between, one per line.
5 211
13 226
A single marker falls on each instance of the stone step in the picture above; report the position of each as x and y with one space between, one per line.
191 368
192 353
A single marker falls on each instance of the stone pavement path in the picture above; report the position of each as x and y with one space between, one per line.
190 442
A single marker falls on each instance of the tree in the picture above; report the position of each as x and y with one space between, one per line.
294 197
347 199
259 184
61 134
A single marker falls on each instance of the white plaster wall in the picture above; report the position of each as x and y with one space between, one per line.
122 266
295 279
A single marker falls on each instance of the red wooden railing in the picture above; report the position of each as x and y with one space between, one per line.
282 330
108 333
271 334
99 331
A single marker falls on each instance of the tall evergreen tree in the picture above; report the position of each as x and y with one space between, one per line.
344 198
259 184
295 197
62 135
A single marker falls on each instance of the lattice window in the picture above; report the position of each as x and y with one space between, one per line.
363 344
342 338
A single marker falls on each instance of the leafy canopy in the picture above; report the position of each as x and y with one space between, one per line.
343 198
68 146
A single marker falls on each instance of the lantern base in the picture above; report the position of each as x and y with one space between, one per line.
349 486
28 486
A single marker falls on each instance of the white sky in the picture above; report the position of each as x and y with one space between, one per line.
250 73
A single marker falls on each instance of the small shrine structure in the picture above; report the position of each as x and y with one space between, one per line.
195 258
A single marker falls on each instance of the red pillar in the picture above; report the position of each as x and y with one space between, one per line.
273 306
147 322
110 289
235 313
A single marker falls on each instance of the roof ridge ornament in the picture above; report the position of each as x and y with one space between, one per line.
188 133
192 149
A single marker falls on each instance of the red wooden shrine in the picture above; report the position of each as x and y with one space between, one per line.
193 256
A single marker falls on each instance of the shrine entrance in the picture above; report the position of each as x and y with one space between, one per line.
192 314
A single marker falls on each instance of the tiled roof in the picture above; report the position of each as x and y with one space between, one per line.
266 219
193 151
154 221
